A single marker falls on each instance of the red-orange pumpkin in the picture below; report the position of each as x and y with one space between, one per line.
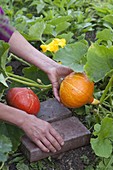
76 90
24 99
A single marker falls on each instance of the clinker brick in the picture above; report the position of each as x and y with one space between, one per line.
51 110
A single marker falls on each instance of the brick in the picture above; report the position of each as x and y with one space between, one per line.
74 133
51 110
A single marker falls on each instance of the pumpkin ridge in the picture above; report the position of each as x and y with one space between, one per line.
79 91
31 103
17 94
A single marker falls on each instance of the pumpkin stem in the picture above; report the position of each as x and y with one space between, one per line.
95 102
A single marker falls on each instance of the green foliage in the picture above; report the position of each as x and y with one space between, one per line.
5 148
4 48
11 132
40 21
99 61
72 56
102 145
106 164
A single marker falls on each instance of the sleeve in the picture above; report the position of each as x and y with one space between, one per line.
6 30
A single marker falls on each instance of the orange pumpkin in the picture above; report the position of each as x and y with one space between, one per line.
76 90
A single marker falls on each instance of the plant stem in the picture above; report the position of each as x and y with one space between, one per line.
106 89
2 166
20 77
20 59
109 163
32 84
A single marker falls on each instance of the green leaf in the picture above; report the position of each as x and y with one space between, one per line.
102 145
107 128
21 166
97 129
34 73
71 55
60 19
49 30
106 164
67 36
5 147
62 26
2 80
13 133
36 30
109 18
99 61
105 35
4 48
102 148
5 144
39 5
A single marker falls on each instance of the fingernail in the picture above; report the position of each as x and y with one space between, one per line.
62 143
54 151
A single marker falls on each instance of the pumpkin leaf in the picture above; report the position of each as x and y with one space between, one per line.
5 147
99 61
105 35
13 133
21 166
62 26
55 21
109 18
4 48
71 55
106 164
102 148
34 73
102 145
36 30
2 80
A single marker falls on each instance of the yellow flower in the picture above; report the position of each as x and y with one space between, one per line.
60 42
54 45
44 48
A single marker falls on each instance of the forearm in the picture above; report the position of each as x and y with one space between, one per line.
12 115
22 48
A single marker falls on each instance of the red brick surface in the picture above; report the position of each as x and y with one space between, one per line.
51 110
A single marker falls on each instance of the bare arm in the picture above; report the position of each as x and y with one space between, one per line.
12 115
22 48
39 131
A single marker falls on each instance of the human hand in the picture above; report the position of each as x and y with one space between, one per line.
56 75
42 134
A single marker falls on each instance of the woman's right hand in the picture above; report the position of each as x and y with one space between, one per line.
42 134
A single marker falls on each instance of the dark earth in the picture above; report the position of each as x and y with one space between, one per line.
78 159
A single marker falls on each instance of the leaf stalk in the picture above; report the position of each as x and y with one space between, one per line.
106 89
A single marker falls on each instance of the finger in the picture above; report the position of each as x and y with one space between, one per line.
49 144
57 136
41 146
56 93
54 142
